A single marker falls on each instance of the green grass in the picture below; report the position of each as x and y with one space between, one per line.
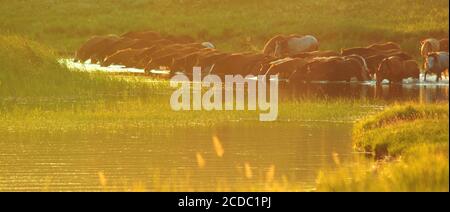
231 24
40 97
413 140
130 122
155 113
396 129
31 69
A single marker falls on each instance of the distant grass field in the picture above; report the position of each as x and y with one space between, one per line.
416 140
232 25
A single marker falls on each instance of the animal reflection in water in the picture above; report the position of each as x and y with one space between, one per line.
395 92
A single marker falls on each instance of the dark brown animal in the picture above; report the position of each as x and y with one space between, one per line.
180 39
385 46
238 64
167 59
411 69
362 51
158 52
187 62
146 55
206 61
373 62
316 54
395 70
319 69
287 68
143 35
364 74
368 52
126 57
123 43
335 69
91 47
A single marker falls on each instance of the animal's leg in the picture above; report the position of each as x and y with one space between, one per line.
379 81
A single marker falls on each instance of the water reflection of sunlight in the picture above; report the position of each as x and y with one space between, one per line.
410 90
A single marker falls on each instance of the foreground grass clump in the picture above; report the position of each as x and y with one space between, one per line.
414 137
31 69
401 127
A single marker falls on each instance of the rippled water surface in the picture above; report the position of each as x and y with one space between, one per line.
250 151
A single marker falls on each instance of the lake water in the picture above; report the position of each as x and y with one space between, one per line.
252 151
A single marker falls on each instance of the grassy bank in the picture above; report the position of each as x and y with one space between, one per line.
32 69
230 24
411 145
155 113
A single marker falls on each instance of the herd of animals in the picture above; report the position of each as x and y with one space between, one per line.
292 57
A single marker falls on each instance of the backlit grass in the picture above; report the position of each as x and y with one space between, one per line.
29 69
42 101
414 142
230 24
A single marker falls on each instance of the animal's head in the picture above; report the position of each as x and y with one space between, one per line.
382 69
425 48
278 49
107 62
352 67
364 69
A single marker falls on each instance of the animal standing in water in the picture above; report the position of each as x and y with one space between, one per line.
436 63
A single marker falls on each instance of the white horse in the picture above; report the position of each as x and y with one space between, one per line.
284 46
208 45
436 63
